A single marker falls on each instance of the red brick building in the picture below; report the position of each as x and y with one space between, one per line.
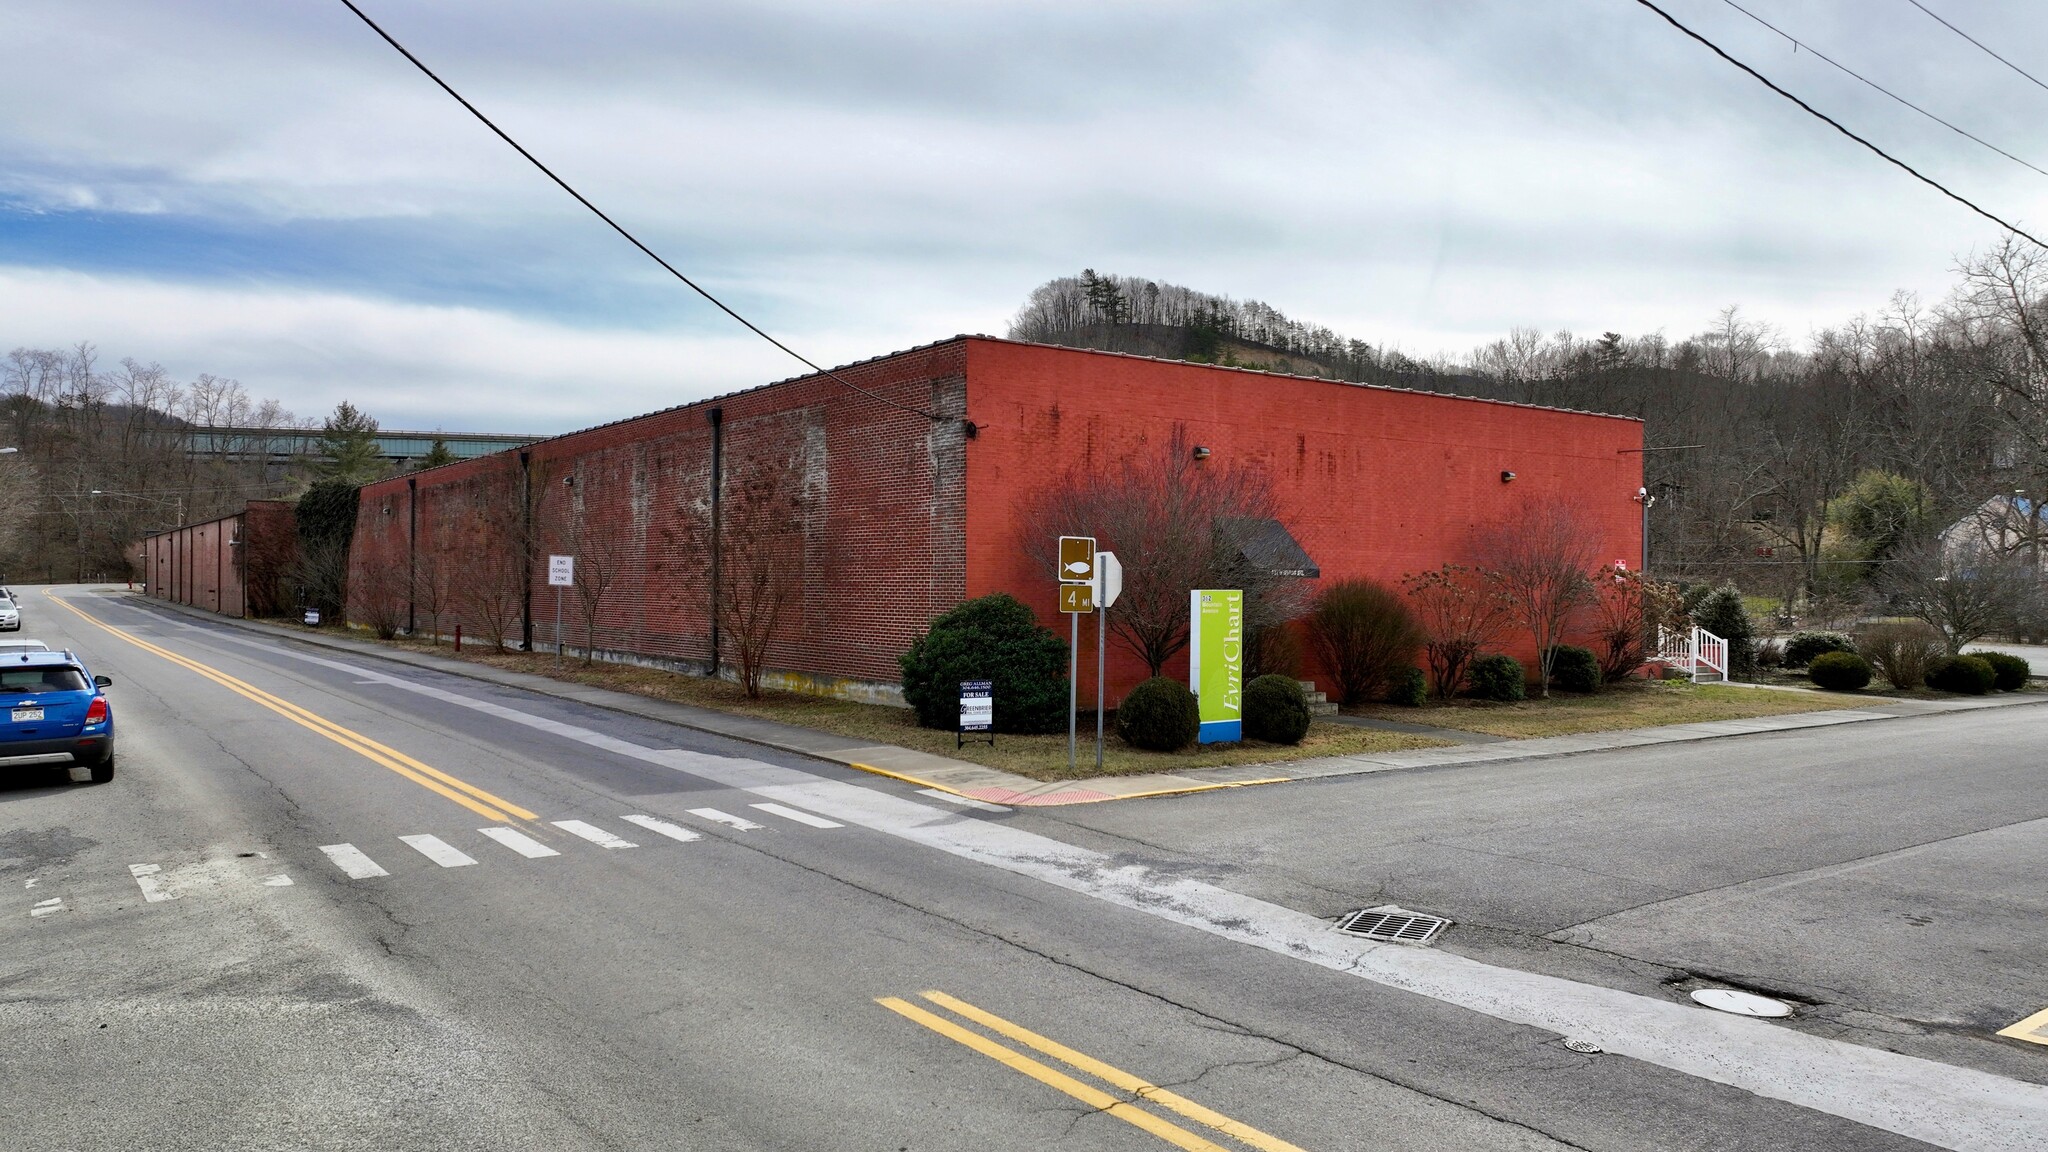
894 507
233 565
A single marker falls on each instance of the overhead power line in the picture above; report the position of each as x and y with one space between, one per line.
1824 58
616 227
1832 123
1977 42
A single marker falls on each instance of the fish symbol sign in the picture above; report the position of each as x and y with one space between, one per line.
1077 559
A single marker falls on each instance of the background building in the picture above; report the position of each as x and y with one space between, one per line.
860 512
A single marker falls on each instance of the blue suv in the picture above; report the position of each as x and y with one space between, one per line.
51 705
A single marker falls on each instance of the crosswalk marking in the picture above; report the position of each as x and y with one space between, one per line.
594 834
672 831
726 818
47 907
799 817
519 842
352 862
278 881
153 889
438 850
963 801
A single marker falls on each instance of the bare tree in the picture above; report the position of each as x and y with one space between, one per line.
1632 609
601 557
763 527
1461 614
1965 594
377 597
1177 524
1541 561
432 594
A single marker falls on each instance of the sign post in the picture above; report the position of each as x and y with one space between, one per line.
1216 661
1109 584
561 574
1077 588
977 711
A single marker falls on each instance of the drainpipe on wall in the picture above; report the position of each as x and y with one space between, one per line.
717 486
412 552
526 546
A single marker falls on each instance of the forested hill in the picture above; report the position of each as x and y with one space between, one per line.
1147 318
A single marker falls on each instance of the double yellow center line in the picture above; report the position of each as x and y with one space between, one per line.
433 779
1140 1090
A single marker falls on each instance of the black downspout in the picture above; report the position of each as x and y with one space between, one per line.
412 556
526 549
717 487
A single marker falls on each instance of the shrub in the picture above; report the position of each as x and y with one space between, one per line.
1575 669
1275 710
1770 654
2011 671
1839 671
1965 675
1498 677
1365 636
1161 715
1804 646
1274 649
1410 689
1900 652
994 638
1722 612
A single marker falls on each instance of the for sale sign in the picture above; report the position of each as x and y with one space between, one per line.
977 707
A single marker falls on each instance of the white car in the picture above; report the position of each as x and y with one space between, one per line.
13 646
10 616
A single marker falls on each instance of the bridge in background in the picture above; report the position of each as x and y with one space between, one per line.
394 445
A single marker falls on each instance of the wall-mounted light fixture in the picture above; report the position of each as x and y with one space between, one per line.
1201 453
1507 477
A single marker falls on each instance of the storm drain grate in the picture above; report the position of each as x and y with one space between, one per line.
1393 924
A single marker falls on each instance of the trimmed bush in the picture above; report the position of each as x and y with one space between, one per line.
1575 669
2011 671
1964 675
1723 613
1839 671
1901 652
1364 635
1161 715
1410 689
1275 710
994 638
1804 646
1498 677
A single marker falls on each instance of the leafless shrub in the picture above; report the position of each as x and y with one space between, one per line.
1631 609
1461 614
1541 561
1900 651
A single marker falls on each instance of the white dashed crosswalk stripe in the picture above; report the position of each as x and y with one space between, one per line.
672 831
519 842
278 881
153 889
594 834
726 818
439 851
48 907
799 817
352 862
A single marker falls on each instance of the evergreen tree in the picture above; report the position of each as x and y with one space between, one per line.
347 450
1724 614
437 455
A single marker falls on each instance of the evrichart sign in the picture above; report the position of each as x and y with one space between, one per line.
1216 661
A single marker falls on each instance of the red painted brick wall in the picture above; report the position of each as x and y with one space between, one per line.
906 517
880 550
199 565
1373 482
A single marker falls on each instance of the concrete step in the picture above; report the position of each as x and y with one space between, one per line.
1322 708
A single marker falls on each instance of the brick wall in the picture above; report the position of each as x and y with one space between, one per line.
876 554
1373 482
199 565
902 517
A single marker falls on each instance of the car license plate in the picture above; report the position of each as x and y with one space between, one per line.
21 714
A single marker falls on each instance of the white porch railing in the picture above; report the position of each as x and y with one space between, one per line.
1702 655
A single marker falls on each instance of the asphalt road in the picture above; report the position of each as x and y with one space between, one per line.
282 926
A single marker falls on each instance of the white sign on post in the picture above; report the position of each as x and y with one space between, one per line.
1109 579
561 571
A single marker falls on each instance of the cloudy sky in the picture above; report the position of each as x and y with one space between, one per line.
262 189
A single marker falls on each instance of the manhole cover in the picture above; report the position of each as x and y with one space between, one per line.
1578 1045
1741 1003
1397 925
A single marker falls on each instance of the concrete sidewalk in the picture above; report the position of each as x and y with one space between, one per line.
994 786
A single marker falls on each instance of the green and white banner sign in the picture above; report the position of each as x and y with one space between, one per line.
1216 661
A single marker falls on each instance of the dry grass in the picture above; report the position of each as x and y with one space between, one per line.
1039 757
1639 704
